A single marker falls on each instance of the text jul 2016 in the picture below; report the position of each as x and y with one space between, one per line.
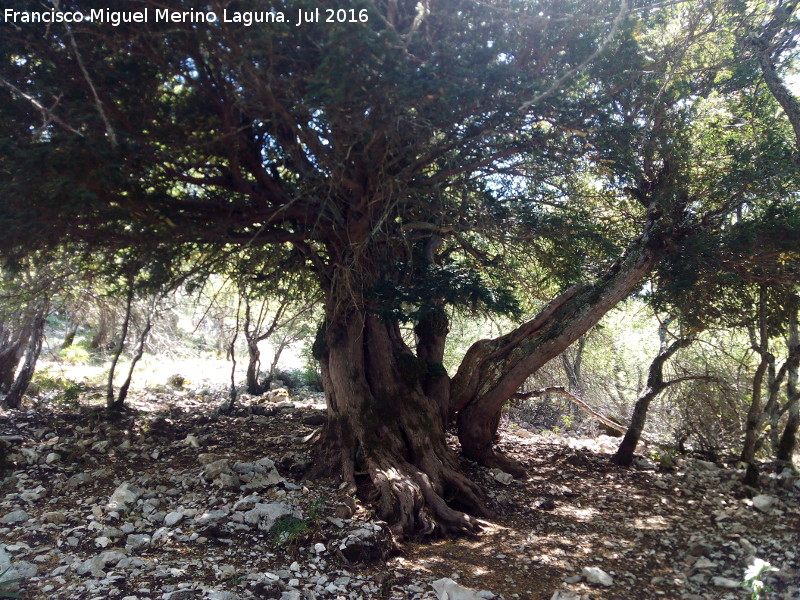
116 18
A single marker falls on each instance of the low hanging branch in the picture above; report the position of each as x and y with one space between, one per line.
575 400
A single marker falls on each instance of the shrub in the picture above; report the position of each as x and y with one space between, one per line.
75 355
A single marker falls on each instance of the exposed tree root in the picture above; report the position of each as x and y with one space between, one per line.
413 499
418 499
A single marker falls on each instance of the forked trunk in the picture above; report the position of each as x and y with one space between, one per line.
388 407
382 424
655 385
34 347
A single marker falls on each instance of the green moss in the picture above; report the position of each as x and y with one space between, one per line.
319 349
412 369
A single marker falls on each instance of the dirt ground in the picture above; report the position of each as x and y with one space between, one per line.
686 531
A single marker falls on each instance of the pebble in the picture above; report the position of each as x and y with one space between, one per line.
162 530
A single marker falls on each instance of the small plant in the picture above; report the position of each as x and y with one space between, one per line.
6 585
57 390
75 355
753 579
288 532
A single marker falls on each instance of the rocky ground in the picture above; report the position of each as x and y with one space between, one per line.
176 502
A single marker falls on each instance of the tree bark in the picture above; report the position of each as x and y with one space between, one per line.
13 342
493 370
788 440
23 378
110 398
754 413
69 338
382 424
655 385
766 45
387 406
122 394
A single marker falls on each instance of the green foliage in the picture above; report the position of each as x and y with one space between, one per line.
754 578
461 288
305 377
289 531
7 585
55 389
76 354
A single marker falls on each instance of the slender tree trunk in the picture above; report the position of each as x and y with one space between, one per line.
768 44
273 365
101 333
233 394
110 398
755 413
655 385
788 440
122 394
23 378
253 353
572 369
69 338
253 368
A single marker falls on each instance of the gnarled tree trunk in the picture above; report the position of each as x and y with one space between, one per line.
12 349
34 347
388 406
382 423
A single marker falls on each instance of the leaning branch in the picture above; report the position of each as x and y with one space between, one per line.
48 116
766 46
575 400
112 136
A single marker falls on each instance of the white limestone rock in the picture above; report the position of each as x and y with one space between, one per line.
597 576
123 498
764 503
15 516
447 589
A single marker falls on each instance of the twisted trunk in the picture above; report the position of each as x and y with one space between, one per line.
383 424
388 405
12 349
34 347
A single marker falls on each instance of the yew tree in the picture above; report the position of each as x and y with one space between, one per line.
418 158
